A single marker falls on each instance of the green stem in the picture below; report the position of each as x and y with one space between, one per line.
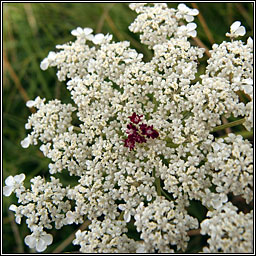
244 134
158 183
121 216
166 195
170 143
231 124
158 186
77 128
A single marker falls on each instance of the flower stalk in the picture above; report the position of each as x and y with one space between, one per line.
228 125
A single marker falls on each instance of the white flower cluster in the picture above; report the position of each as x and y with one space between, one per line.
50 120
157 23
229 231
163 225
231 162
106 236
146 185
43 205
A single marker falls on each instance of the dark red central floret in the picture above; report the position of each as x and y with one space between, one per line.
149 131
131 129
135 118
135 134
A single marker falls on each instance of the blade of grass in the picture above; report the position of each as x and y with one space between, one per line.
244 13
16 233
31 17
16 80
225 121
113 27
202 45
194 232
103 17
204 25
67 241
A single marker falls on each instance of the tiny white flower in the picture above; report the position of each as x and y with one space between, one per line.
127 214
108 37
30 103
98 38
70 217
247 85
70 128
44 64
76 32
38 240
87 31
17 216
13 208
11 183
191 29
80 32
187 12
141 248
250 42
218 200
188 30
26 142
236 30
216 146
51 56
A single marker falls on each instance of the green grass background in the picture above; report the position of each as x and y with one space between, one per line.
30 31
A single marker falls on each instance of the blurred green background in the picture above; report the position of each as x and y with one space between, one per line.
30 31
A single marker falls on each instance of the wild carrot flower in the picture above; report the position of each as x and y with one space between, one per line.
176 158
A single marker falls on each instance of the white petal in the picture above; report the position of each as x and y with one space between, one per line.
189 18
248 81
30 103
248 89
70 218
44 64
108 37
30 241
51 55
74 32
192 33
224 198
41 245
182 7
98 38
9 181
240 31
13 208
204 225
7 190
19 178
27 126
127 216
121 207
250 42
141 249
87 31
235 26
216 204
25 143
191 26
137 217
70 128
216 147
90 37
18 219
194 12
77 31
47 239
